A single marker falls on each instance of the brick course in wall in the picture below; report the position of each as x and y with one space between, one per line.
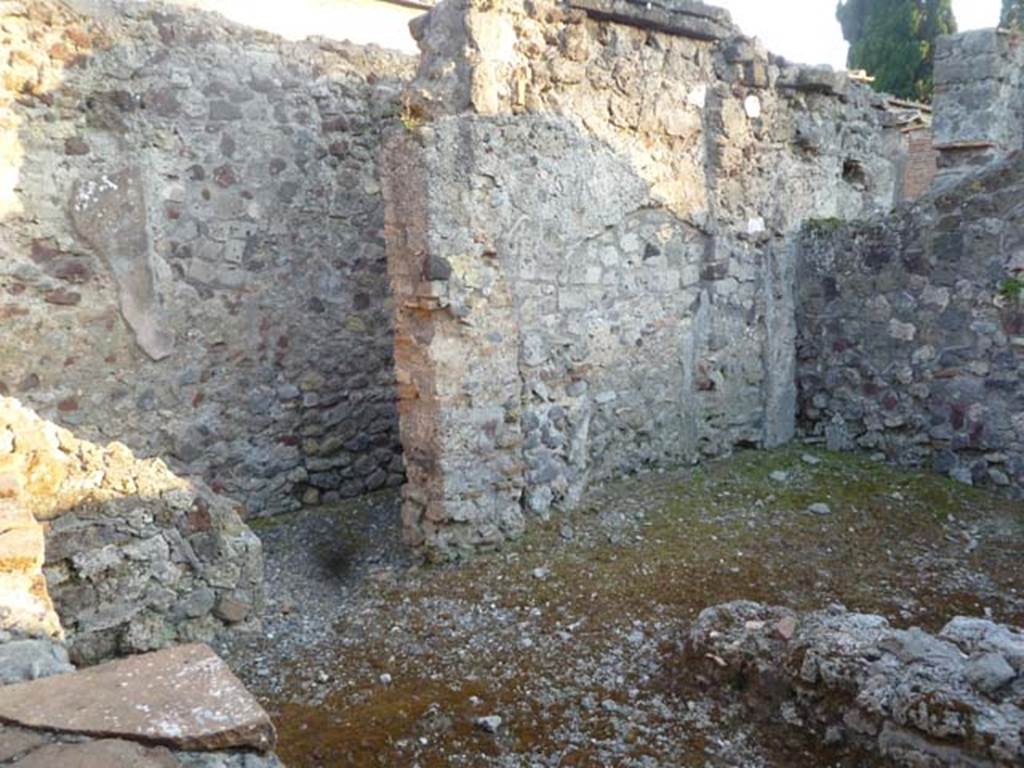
921 164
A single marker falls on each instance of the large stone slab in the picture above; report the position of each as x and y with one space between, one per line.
185 698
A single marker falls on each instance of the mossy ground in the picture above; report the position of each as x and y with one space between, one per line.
538 631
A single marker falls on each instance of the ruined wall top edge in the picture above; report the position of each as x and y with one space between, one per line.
376 25
482 56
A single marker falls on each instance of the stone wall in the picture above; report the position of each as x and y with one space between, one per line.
136 558
589 218
191 248
979 99
911 331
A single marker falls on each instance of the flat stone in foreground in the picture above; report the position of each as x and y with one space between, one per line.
185 698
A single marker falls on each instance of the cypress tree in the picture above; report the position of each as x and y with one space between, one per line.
894 41
1013 14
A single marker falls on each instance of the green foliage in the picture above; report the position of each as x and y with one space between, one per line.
1012 288
410 122
894 41
1013 14
412 117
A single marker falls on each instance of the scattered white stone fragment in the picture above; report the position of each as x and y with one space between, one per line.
786 628
820 509
490 724
541 573
902 331
999 477
779 476
756 226
808 458
385 679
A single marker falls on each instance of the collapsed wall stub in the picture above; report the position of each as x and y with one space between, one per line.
588 215
905 697
136 558
191 248
979 99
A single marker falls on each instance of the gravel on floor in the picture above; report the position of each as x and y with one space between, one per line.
563 650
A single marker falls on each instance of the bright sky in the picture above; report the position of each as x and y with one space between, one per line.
806 31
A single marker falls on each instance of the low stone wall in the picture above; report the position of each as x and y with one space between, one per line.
852 682
136 558
191 247
911 332
589 220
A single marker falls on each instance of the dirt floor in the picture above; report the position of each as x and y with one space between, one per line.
571 636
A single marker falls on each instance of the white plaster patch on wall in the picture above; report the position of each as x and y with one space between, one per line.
752 106
698 97
90 190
